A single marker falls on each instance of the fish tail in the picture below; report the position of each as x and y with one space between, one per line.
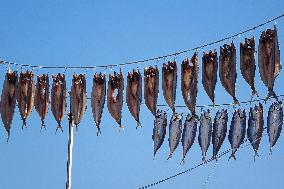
271 93
255 155
121 127
170 156
24 123
233 156
59 127
42 125
270 150
204 159
254 92
98 131
182 161
236 102
8 137
138 125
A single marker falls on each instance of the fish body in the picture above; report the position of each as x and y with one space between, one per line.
159 130
175 130
255 127
151 88
25 95
8 100
209 73
274 123
169 85
115 96
189 133
227 69
237 131
205 132
189 80
98 97
41 101
134 94
58 98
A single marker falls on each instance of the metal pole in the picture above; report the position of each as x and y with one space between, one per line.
70 148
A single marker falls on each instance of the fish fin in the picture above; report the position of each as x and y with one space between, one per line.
232 156
138 125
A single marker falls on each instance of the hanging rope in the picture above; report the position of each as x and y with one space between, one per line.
209 175
149 59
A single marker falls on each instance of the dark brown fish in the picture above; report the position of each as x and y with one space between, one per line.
8 100
209 73
25 95
247 62
227 69
134 94
189 79
78 98
169 84
42 97
98 98
269 59
151 88
115 96
58 98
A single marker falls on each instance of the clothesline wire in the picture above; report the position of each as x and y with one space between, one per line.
149 59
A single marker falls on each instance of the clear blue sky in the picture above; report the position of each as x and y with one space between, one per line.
95 33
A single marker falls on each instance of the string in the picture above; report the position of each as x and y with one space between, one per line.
209 175
149 59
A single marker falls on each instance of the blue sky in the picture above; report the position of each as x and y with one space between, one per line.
110 32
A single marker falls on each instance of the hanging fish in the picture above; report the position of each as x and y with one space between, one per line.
115 96
274 123
78 98
205 132
247 62
255 127
58 98
98 98
170 83
151 88
175 130
189 133
26 93
189 79
219 131
42 97
227 69
269 59
134 94
237 131
159 130
209 73
8 100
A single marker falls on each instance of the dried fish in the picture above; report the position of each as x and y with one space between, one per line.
58 98
134 94
151 88
227 69
205 132
175 130
98 98
115 96
159 130
169 84
189 79
209 73
42 97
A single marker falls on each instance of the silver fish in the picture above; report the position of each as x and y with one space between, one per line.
219 131
189 133
205 132
274 123
175 130
159 130
237 131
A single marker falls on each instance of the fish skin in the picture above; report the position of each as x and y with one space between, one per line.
41 101
269 59
274 123
209 73
58 98
189 133
169 83
8 100
175 130
189 81
159 130
247 62
151 88
237 131
115 103
134 94
205 132
25 95
98 98
78 98
255 127
227 69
